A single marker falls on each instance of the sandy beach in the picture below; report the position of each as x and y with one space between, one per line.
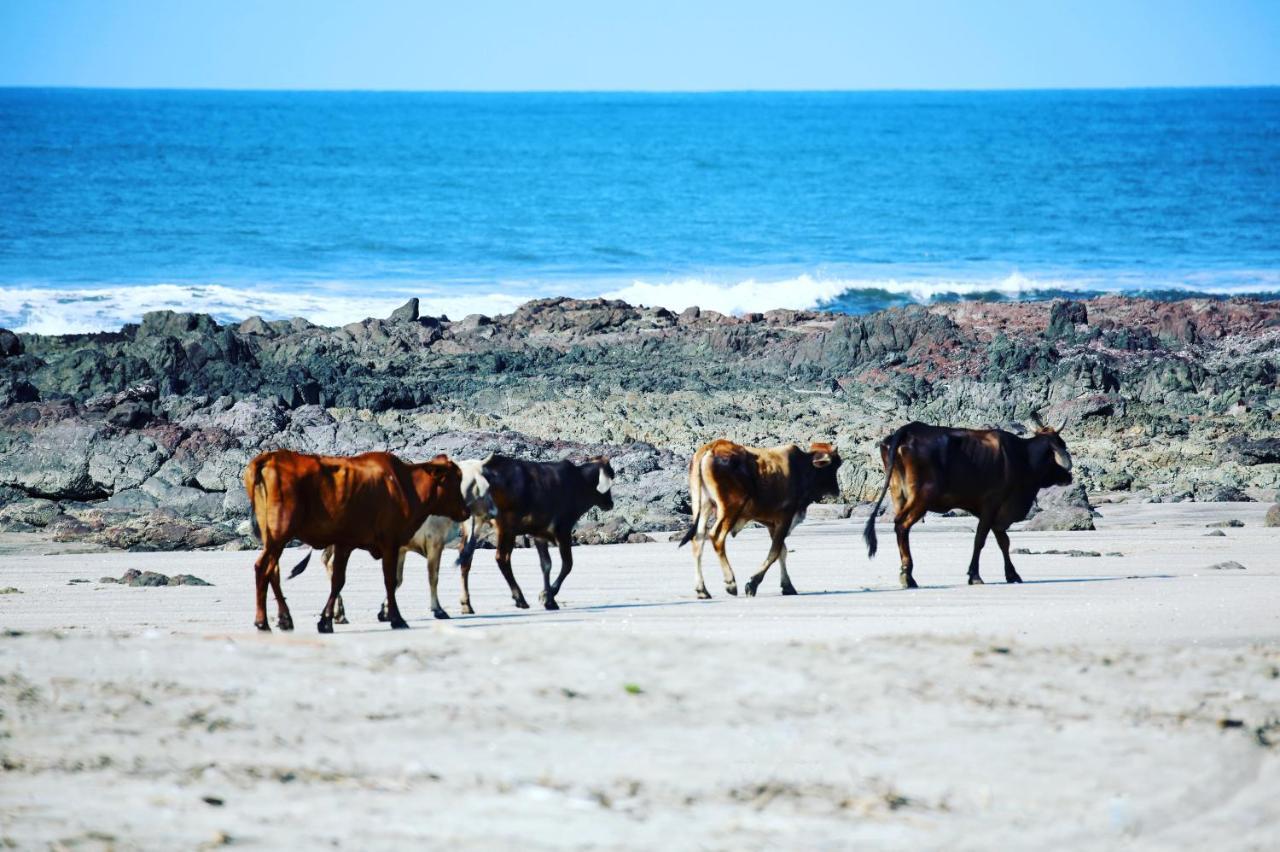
1130 699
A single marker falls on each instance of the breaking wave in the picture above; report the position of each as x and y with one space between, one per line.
65 310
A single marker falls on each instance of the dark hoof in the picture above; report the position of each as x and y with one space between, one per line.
263 626
382 613
521 603
907 581
976 581
732 588
325 625
399 624
467 610
1012 578
439 613
340 619
789 590
285 622
703 594
750 590
550 603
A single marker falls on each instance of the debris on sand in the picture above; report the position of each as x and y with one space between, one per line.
134 577
1231 523
10 590
1216 533
1229 565
1051 552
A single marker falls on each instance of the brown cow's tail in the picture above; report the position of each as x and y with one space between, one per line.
869 531
253 481
695 497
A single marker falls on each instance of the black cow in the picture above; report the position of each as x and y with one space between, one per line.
543 500
992 474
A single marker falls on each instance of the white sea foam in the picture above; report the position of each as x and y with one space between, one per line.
61 311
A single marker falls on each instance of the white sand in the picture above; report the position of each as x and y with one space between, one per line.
1081 709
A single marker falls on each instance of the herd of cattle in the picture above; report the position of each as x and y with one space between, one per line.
378 503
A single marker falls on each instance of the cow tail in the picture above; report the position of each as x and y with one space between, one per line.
470 540
255 483
695 497
869 531
301 566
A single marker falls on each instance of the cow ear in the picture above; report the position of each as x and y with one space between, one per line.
821 459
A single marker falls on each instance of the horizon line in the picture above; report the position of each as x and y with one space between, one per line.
628 91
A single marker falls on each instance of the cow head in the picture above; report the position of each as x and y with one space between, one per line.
439 486
599 476
825 461
476 493
1049 458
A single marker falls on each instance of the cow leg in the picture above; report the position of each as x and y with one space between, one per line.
911 513
565 539
700 540
260 591
778 535
464 564
787 588
392 558
1002 539
337 579
435 549
979 539
284 619
339 611
506 543
720 534
544 561
382 613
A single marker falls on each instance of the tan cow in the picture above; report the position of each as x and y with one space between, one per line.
771 485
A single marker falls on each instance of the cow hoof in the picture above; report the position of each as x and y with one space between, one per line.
550 603
263 626
399 624
382 613
325 625
285 622
1012 578
908 582
467 610
439 613
703 594
750 590
789 590
976 581
341 619
732 588
522 604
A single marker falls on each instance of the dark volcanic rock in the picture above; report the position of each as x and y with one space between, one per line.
10 344
154 423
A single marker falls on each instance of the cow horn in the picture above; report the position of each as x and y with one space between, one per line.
606 481
1062 425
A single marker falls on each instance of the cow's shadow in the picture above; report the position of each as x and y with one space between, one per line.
994 583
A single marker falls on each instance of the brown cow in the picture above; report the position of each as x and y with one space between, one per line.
372 502
992 474
772 485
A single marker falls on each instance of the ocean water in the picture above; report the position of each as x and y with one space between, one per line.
337 206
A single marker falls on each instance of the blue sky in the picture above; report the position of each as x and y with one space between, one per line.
650 45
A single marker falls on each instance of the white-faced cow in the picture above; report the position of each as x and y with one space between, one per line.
773 485
992 474
543 500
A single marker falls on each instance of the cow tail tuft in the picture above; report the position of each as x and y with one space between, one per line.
301 566
695 497
869 531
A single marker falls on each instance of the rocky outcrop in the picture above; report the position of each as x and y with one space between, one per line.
138 437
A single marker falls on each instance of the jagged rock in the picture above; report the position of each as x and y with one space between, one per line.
10 344
1273 516
1064 316
34 512
408 312
1063 508
1250 451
